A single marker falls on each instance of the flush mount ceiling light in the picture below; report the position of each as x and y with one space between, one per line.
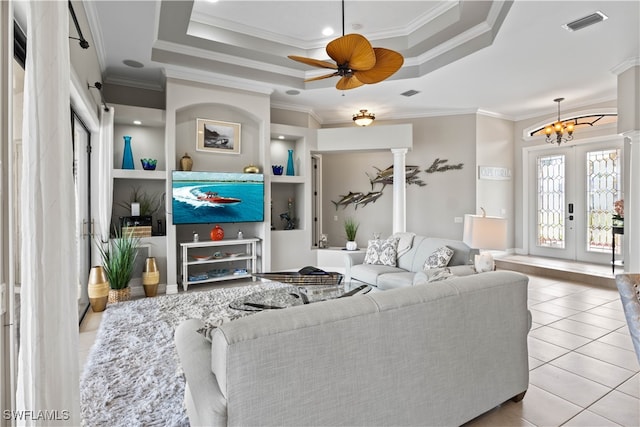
559 128
356 62
363 118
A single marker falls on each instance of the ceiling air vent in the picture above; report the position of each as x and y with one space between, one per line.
585 21
410 93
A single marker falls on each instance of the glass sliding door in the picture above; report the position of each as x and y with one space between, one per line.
82 179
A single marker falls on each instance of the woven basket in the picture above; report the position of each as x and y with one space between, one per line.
119 295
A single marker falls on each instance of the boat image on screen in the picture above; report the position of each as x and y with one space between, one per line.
217 197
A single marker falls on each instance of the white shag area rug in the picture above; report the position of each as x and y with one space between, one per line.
132 376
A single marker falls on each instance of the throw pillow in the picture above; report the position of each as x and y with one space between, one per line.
484 262
439 258
382 252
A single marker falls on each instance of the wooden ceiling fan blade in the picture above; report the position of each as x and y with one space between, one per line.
387 63
352 49
325 76
348 82
314 62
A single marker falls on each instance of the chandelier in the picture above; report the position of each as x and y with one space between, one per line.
559 128
363 118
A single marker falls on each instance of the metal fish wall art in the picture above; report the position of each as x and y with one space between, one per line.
385 177
370 197
347 199
439 166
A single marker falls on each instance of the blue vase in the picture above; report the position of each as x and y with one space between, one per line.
290 170
127 156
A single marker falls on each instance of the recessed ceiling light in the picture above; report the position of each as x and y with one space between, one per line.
327 31
212 1
132 63
281 137
137 122
293 92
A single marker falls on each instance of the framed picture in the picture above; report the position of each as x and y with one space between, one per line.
218 137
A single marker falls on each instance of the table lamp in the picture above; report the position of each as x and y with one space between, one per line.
484 232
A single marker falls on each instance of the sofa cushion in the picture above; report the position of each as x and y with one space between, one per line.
395 280
438 258
381 252
369 273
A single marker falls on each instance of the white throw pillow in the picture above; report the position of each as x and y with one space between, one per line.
438 259
484 262
382 252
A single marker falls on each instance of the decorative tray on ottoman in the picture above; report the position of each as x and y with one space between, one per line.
306 276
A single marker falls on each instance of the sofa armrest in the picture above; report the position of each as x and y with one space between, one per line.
351 259
206 406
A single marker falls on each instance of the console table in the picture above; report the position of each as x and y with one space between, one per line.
216 260
614 230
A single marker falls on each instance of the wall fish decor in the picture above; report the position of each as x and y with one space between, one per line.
385 177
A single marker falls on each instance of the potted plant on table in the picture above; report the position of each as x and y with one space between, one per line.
351 229
118 259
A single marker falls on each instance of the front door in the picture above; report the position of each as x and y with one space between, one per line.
571 199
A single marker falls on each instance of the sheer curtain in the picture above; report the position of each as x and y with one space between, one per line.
48 371
105 165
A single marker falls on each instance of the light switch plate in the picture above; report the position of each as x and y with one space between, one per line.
457 219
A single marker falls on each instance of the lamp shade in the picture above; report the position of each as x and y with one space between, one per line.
485 232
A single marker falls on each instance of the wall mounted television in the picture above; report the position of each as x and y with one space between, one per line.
217 197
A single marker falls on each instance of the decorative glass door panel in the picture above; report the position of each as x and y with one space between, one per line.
603 189
550 171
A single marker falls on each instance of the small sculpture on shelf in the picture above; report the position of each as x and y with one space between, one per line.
291 222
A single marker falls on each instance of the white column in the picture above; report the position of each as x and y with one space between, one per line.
399 190
629 127
631 245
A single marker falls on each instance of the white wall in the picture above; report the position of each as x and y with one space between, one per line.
494 148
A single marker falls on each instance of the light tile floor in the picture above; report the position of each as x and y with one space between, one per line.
583 370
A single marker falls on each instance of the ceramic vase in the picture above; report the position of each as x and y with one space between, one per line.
150 277
351 245
98 289
290 169
186 163
127 155
217 233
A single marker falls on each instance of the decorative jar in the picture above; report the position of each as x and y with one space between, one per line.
217 233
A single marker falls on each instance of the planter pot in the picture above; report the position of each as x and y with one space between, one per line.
119 295
352 245
150 277
98 289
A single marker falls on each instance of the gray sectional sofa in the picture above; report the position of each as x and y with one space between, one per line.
409 263
440 354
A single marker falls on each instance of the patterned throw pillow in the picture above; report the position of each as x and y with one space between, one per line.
438 259
382 252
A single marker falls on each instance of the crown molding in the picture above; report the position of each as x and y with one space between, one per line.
96 33
625 65
298 109
190 74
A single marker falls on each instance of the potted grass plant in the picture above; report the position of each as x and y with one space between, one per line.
351 229
118 259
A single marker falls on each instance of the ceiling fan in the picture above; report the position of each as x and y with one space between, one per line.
356 61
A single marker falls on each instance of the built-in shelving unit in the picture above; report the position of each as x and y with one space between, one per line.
147 141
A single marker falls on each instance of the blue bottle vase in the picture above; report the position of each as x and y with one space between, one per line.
127 156
290 170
